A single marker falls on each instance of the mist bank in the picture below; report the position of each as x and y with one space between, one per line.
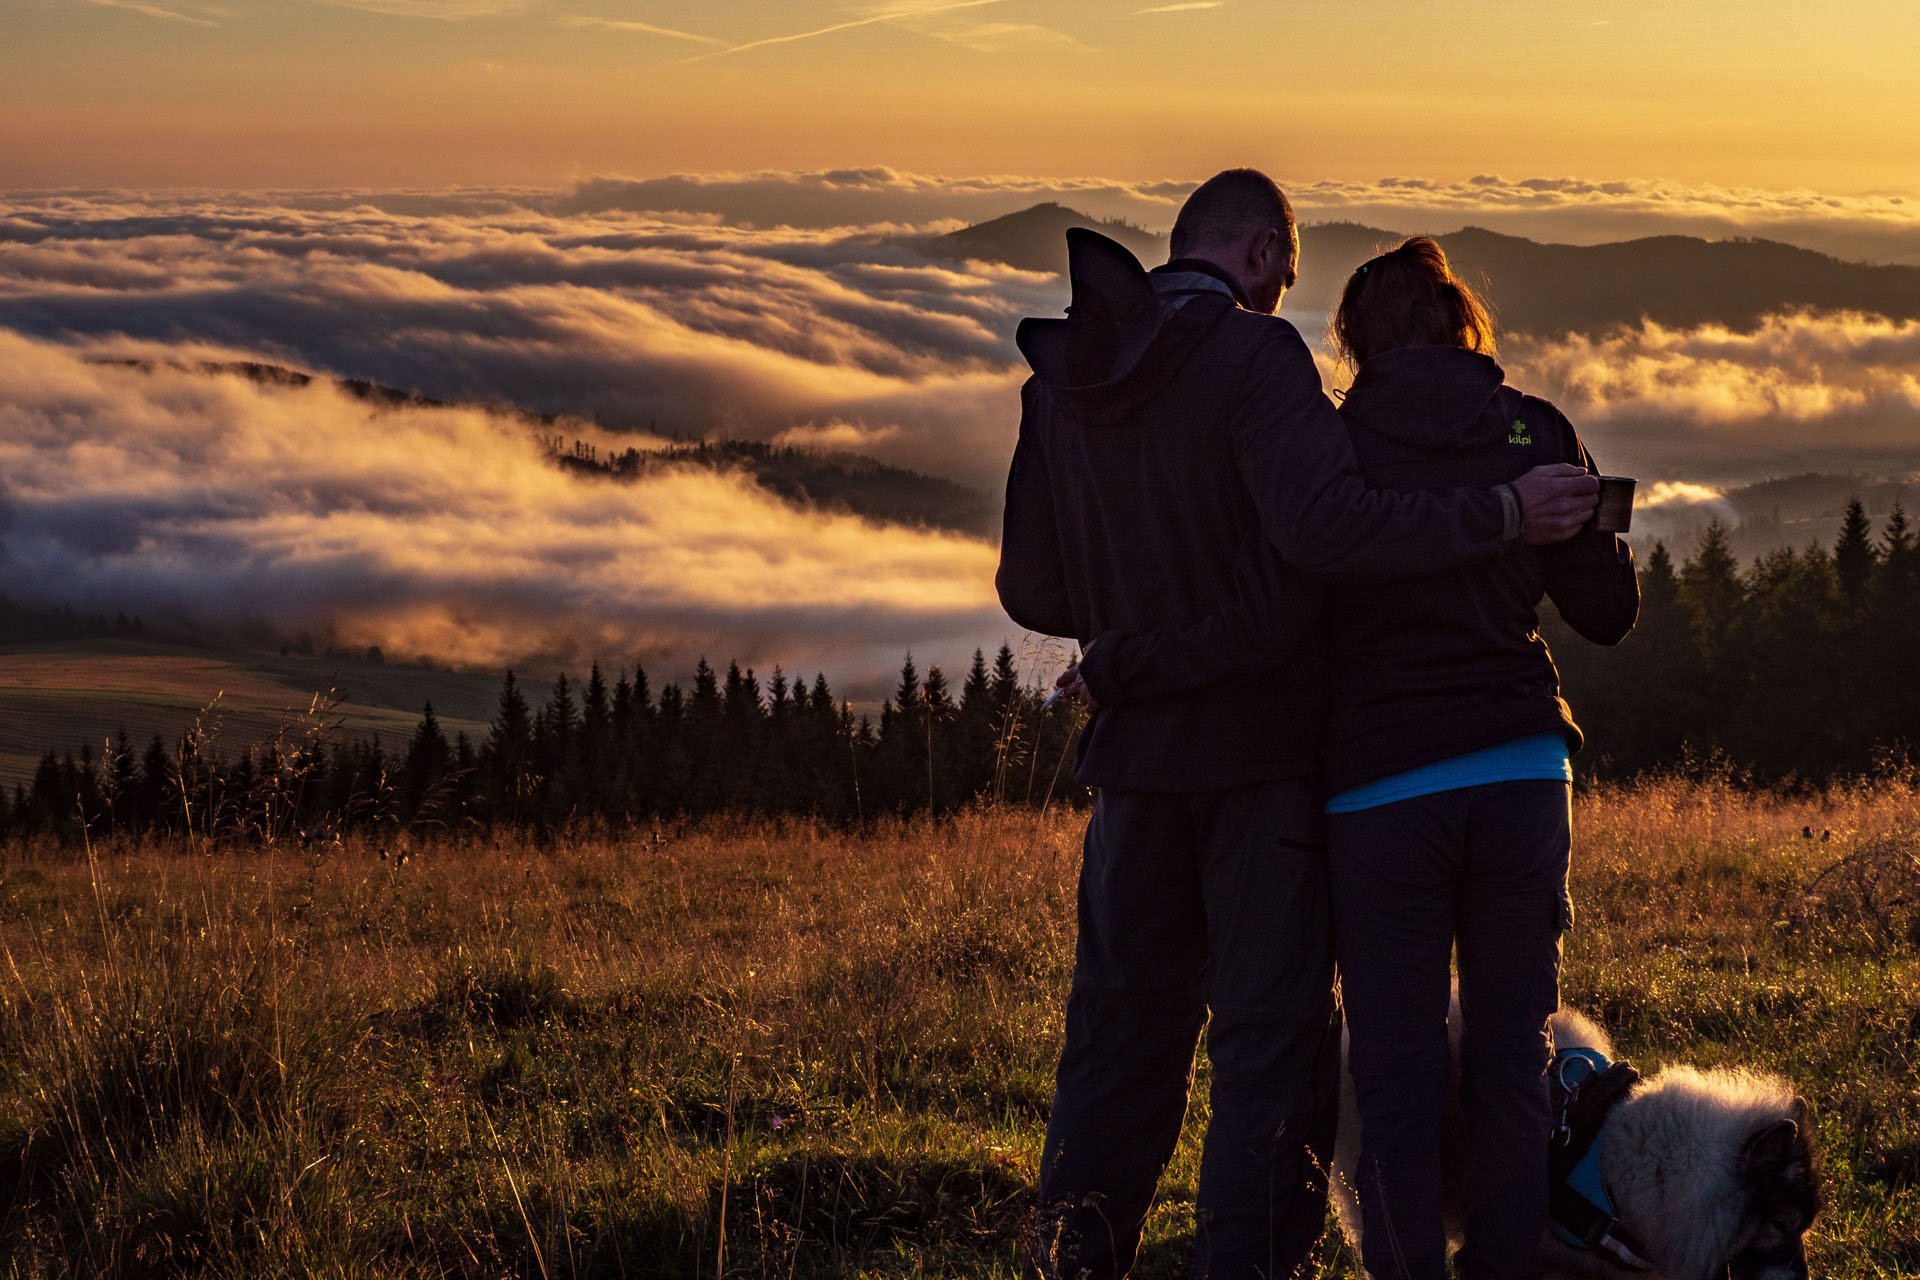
444 532
638 323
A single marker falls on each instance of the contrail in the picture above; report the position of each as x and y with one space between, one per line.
155 11
892 15
643 28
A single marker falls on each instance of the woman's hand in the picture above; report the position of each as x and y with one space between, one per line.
1556 501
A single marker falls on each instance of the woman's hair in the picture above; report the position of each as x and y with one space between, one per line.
1408 297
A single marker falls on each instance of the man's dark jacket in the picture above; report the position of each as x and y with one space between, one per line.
1436 665
1164 427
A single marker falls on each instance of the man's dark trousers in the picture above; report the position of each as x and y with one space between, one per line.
1191 903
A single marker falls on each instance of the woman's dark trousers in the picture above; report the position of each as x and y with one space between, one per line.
1191 904
1483 868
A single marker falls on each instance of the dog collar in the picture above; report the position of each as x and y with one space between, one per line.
1586 1086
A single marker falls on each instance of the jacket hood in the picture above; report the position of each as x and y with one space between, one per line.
1430 397
1127 330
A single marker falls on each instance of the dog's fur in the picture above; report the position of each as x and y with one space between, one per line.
1713 1171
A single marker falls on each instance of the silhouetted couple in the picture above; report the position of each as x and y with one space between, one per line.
1323 724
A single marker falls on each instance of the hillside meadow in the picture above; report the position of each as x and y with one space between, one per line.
771 1049
76 694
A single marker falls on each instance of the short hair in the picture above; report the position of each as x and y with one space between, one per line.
1408 297
1227 206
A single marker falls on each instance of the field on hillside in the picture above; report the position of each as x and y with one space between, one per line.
78 693
771 1050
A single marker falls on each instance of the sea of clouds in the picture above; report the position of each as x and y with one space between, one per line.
785 307
435 531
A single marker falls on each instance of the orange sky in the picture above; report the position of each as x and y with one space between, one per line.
306 93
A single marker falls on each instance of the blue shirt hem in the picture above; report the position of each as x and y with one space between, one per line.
1538 757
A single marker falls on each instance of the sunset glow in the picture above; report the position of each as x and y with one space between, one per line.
433 92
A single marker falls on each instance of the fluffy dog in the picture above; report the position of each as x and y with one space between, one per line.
1712 1172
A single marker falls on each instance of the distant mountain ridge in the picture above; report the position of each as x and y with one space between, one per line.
1536 288
1035 239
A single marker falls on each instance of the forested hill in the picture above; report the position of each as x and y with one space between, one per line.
1537 288
841 482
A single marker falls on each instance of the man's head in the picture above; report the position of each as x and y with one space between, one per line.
1240 221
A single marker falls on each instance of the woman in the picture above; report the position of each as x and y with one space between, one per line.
1447 764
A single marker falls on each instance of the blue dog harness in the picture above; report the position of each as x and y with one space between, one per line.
1585 1087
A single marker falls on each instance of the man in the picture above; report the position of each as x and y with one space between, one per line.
1177 460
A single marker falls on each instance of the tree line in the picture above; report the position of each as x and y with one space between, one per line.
24 623
1796 669
591 752
1801 667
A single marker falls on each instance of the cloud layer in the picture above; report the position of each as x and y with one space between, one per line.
1800 393
435 531
778 307
635 321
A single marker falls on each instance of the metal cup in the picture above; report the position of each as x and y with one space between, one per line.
1615 512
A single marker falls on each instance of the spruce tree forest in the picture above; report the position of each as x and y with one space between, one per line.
1793 671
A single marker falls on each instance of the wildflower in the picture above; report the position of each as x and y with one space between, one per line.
777 1122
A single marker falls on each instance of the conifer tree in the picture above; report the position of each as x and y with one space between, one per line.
122 780
428 760
595 763
1659 585
156 779
740 717
778 762
1853 557
668 783
563 719
643 747
1887 650
1897 553
1010 743
557 751
900 772
47 801
942 745
1711 589
509 752
976 728
705 718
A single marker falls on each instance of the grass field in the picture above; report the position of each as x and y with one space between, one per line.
768 1050
61 696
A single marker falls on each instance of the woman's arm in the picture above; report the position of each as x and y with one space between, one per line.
1590 577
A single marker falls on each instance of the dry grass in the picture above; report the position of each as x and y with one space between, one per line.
775 1050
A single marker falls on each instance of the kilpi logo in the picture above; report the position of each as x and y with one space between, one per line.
1519 434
